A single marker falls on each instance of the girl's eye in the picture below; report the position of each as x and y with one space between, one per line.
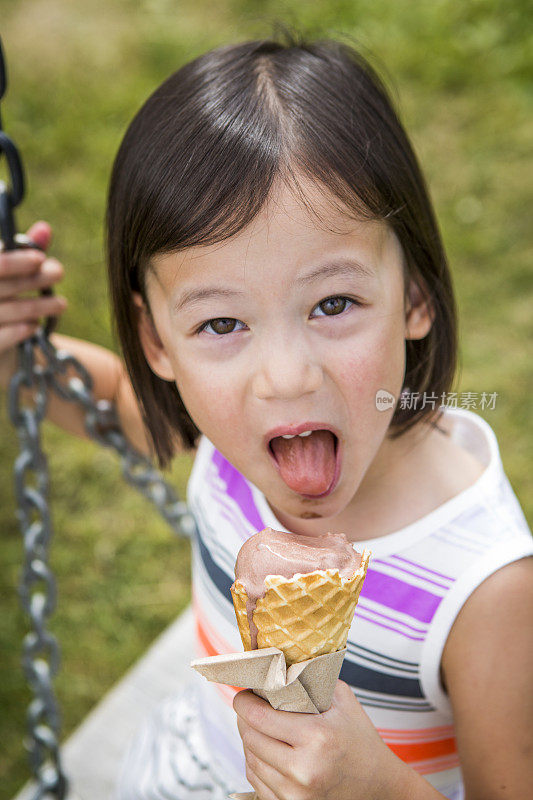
220 326
332 306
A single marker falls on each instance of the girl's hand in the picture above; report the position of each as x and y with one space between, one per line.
336 755
24 271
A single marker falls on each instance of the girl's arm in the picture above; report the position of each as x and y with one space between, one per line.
110 382
488 670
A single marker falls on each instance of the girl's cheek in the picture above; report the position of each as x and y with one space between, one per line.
212 399
379 363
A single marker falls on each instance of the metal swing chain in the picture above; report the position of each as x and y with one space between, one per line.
37 587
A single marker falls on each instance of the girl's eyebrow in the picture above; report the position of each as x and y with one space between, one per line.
195 295
341 266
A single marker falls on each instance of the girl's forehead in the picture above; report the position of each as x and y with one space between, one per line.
289 230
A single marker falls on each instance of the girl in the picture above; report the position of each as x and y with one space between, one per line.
284 305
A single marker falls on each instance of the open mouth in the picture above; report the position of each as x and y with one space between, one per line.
309 462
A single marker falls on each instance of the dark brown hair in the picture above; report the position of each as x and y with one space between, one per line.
198 162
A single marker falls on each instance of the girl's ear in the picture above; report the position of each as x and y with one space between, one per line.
418 313
153 347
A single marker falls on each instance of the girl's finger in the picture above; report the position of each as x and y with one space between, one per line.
11 335
265 780
287 726
278 754
17 263
40 233
261 789
50 272
23 310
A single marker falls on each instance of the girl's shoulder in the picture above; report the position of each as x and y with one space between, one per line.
458 467
443 469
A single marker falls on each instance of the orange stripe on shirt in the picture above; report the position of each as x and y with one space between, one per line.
439 765
227 692
414 734
209 649
206 643
423 751
219 644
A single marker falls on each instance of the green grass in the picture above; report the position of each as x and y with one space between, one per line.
78 72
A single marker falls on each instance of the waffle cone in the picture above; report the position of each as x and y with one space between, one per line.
305 616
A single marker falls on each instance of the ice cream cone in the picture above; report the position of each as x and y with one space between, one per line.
304 616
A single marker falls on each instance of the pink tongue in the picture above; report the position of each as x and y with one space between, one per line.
307 464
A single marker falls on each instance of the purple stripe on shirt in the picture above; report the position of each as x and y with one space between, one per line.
400 596
224 502
473 538
447 537
389 627
395 620
238 489
410 572
423 568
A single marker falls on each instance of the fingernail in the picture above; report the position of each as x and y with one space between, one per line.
50 267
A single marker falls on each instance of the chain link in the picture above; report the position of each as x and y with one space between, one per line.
37 588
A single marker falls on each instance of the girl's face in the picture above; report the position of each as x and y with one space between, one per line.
292 323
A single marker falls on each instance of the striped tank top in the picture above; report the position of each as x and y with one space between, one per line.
418 579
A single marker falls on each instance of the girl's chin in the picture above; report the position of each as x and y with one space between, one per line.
297 507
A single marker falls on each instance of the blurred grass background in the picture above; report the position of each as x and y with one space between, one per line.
462 76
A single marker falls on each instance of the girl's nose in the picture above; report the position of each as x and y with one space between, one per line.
285 372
